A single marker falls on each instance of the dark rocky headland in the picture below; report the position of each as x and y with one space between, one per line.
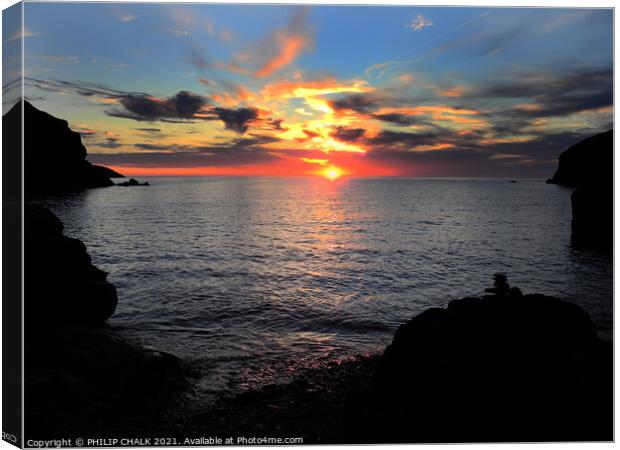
54 156
80 377
500 367
588 166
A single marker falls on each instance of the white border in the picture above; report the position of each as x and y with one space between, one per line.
480 3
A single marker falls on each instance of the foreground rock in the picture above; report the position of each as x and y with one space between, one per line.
589 167
62 286
54 156
91 382
79 376
504 367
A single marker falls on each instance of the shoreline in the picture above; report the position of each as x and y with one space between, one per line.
311 405
322 405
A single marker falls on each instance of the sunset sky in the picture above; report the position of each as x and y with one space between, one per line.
289 90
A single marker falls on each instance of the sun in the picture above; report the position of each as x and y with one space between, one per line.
332 173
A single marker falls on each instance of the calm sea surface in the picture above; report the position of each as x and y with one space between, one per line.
254 278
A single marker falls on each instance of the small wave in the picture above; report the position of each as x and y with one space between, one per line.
349 325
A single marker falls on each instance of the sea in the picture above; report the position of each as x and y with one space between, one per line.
253 279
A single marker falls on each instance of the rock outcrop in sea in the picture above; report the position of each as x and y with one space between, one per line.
132 182
502 367
588 166
54 156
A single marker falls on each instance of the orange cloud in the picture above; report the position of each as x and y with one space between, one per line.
20 34
316 135
428 148
321 162
505 156
319 105
406 79
528 106
507 140
300 89
540 122
429 109
311 92
457 119
108 101
456 91
232 67
601 110
290 48
280 48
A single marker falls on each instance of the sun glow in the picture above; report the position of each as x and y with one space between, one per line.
332 173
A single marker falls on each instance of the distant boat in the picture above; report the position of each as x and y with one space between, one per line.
513 181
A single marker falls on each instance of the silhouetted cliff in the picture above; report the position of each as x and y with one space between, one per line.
591 161
588 166
106 172
54 156
593 216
